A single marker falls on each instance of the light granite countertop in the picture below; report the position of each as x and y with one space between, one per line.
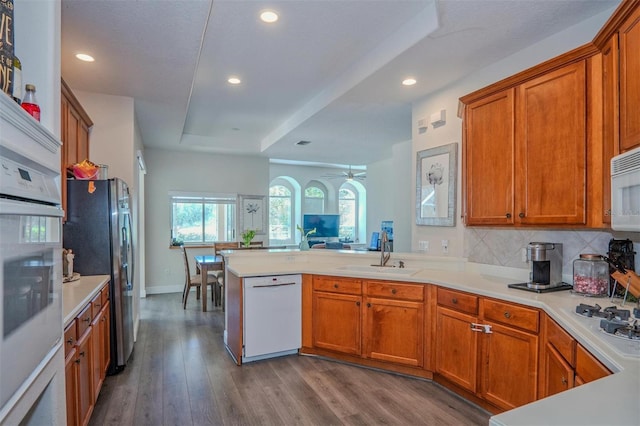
613 400
76 295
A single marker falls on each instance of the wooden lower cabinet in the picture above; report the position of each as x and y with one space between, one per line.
456 348
84 379
499 354
509 366
337 319
487 347
588 368
565 363
376 320
100 348
394 323
71 373
87 358
105 332
558 373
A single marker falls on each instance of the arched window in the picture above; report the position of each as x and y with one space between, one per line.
348 208
314 198
281 224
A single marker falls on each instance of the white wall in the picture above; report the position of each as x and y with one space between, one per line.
463 243
196 172
112 138
389 194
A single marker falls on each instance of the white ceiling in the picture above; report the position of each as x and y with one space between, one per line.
328 71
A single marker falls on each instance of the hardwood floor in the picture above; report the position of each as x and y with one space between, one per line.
180 374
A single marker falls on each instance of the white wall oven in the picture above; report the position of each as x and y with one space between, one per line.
30 265
31 271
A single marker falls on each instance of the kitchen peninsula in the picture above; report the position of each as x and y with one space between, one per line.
525 315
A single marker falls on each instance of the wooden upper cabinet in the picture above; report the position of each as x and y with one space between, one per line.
551 127
489 156
610 118
525 150
75 130
629 34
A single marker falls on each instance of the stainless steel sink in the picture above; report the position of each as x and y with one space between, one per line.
387 270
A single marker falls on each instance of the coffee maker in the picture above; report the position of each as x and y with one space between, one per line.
545 265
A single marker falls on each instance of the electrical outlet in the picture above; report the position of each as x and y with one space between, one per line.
445 246
423 246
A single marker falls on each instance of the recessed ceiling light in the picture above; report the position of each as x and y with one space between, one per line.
268 16
234 80
409 81
84 57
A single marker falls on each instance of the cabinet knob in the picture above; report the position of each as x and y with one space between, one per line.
98 305
77 361
87 319
335 286
357 303
508 215
368 305
70 341
81 354
521 215
394 291
564 380
507 315
454 301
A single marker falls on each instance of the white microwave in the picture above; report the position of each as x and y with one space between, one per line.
625 191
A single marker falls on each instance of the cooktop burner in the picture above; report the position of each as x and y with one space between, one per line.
624 329
609 313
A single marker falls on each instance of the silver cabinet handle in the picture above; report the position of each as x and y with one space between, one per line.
481 328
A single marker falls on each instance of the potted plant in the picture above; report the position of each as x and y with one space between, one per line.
304 244
247 236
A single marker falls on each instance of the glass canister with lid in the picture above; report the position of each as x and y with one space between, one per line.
591 275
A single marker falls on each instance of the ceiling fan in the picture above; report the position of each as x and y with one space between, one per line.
347 175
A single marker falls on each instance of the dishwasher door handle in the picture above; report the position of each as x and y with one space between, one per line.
272 285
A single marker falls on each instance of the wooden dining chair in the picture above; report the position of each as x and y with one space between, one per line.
194 281
218 275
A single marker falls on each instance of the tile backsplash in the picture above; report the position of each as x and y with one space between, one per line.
504 247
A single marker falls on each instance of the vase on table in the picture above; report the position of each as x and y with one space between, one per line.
304 244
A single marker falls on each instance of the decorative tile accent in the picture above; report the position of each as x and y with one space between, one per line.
503 247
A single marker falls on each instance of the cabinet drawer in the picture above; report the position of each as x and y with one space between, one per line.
70 338
83 321
96 305
512 315
457 300
105 294
337 285
391 290
561 341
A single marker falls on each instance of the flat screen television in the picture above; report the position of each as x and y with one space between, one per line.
327 225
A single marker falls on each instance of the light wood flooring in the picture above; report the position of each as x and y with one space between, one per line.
180 374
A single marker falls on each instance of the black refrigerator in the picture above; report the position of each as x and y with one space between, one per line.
98 230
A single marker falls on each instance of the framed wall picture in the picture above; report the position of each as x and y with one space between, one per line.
252 212
436 171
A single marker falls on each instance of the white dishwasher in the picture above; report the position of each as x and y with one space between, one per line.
272 323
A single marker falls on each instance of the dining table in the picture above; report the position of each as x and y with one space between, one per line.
204 264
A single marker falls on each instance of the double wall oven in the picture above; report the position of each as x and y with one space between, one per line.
30 263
